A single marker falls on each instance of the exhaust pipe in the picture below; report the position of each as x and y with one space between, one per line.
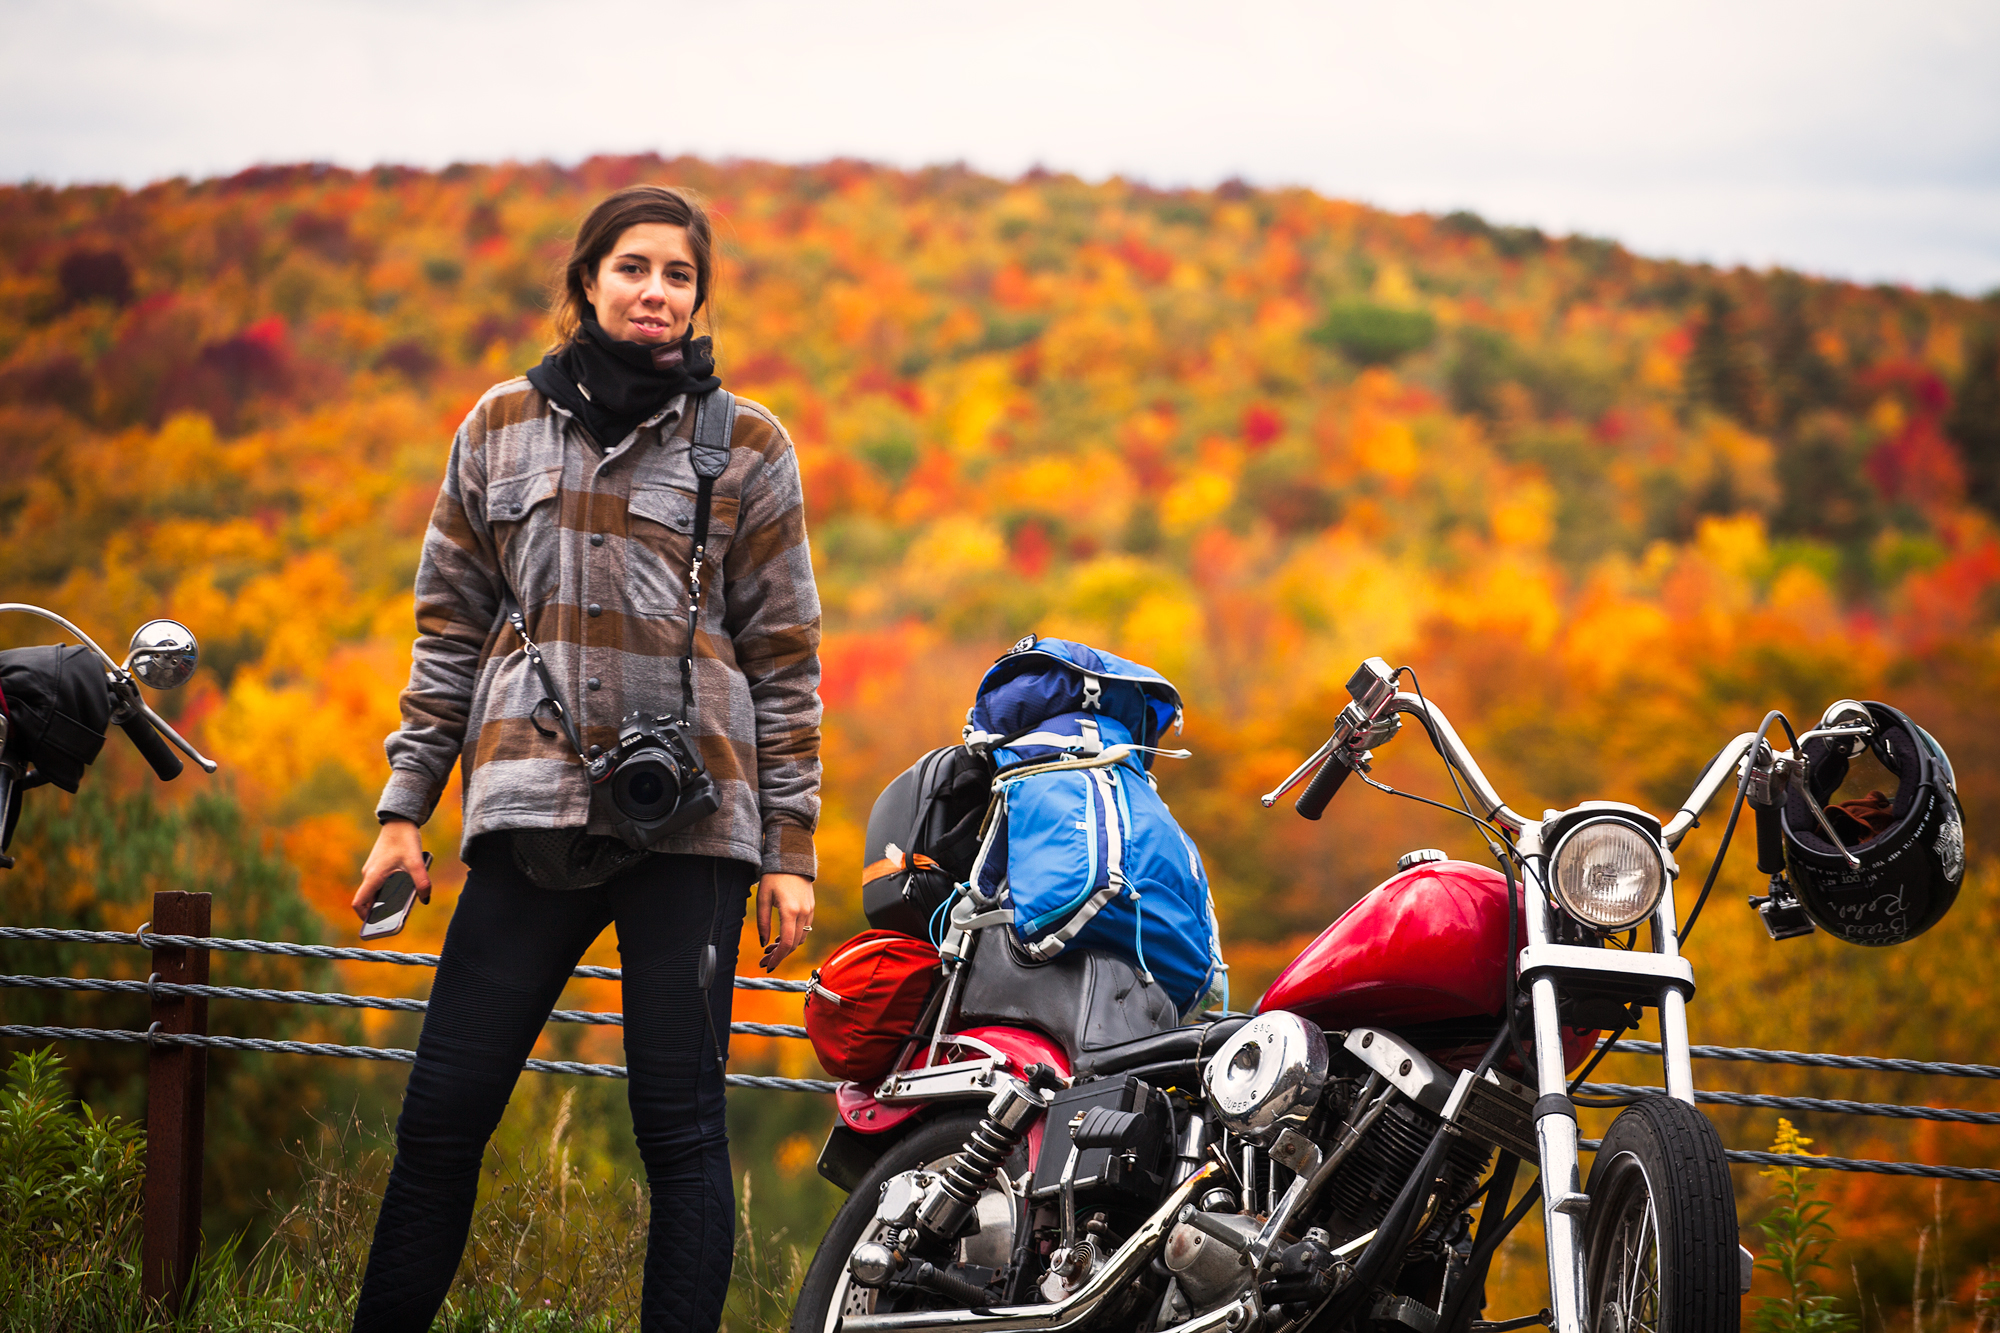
1079 1305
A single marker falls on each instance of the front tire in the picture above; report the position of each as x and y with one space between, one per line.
1661 1243
829 1291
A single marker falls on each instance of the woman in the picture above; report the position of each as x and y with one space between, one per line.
573 490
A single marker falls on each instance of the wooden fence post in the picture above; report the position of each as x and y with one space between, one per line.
176 1092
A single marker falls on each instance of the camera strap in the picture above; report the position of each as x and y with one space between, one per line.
552 697
714 425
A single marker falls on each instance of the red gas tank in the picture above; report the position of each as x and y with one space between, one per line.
1426 947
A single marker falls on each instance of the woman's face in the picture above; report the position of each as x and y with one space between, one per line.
644 288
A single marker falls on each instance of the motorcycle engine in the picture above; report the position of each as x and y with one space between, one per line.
1364 1186
1207 1252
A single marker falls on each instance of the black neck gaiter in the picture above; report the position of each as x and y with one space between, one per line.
612 386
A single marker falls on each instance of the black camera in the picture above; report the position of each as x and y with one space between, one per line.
655 778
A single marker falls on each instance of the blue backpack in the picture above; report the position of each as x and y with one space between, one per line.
1080 846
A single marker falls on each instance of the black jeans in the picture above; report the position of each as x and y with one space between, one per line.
507 954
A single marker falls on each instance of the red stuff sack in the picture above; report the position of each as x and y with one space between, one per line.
864 1002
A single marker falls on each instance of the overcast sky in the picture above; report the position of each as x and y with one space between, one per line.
1857 140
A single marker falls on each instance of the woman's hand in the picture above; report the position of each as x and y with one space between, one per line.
400 846
790 899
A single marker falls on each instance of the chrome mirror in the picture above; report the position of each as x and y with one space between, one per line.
164 654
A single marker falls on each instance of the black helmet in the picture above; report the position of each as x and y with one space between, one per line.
1911 849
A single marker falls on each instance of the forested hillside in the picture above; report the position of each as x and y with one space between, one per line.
1611 508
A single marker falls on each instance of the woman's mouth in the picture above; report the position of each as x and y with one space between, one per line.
651 328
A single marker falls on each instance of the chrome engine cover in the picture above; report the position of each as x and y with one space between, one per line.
1271 1066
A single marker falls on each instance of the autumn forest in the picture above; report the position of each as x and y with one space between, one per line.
1610 508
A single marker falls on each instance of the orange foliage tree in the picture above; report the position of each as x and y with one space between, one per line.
1611 508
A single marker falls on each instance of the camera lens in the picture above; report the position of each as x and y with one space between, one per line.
647 786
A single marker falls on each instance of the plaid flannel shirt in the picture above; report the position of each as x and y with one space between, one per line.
596 546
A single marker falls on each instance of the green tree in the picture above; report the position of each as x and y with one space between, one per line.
1974 424
1375 335
1484 360
1721 373
92 860
1802 380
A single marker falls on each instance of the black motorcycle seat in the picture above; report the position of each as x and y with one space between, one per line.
1086 1001
1178 1046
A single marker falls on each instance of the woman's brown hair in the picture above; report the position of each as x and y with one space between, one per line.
600 231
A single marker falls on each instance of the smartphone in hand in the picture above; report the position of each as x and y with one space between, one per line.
392 904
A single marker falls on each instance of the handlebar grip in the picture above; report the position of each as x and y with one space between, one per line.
153 746
1326 782
1770 840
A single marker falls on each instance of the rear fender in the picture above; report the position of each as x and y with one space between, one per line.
865 1128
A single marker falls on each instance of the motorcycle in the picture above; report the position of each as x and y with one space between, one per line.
1053 1153
65 698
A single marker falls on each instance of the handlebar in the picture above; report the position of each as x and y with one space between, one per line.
149 732
202 761
152 747
1323 788
1721 769
1770 840
1446 740
1345 751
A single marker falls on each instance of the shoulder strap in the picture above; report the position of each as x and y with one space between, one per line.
714 425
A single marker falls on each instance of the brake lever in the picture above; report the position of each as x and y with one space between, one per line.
128 706
1372 688
1273 796
207 765
1771 774
1826 827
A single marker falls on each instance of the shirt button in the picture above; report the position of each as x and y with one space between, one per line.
595 683
513 509
597 539
596 610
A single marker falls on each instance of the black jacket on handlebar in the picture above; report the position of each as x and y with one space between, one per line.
58 709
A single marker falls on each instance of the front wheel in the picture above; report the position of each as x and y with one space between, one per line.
1661 1242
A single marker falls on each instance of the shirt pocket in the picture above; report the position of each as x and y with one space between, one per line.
662 547
523 515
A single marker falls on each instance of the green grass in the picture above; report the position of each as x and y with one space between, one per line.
552 1250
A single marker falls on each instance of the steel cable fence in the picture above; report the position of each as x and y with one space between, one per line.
392 1054
342 1000
155 989
282 948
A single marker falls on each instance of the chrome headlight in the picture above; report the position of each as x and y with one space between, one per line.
1608 874
1273 1064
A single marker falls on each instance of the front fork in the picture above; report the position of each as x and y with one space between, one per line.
1565 1207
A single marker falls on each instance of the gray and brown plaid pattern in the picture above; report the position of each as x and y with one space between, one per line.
596 546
